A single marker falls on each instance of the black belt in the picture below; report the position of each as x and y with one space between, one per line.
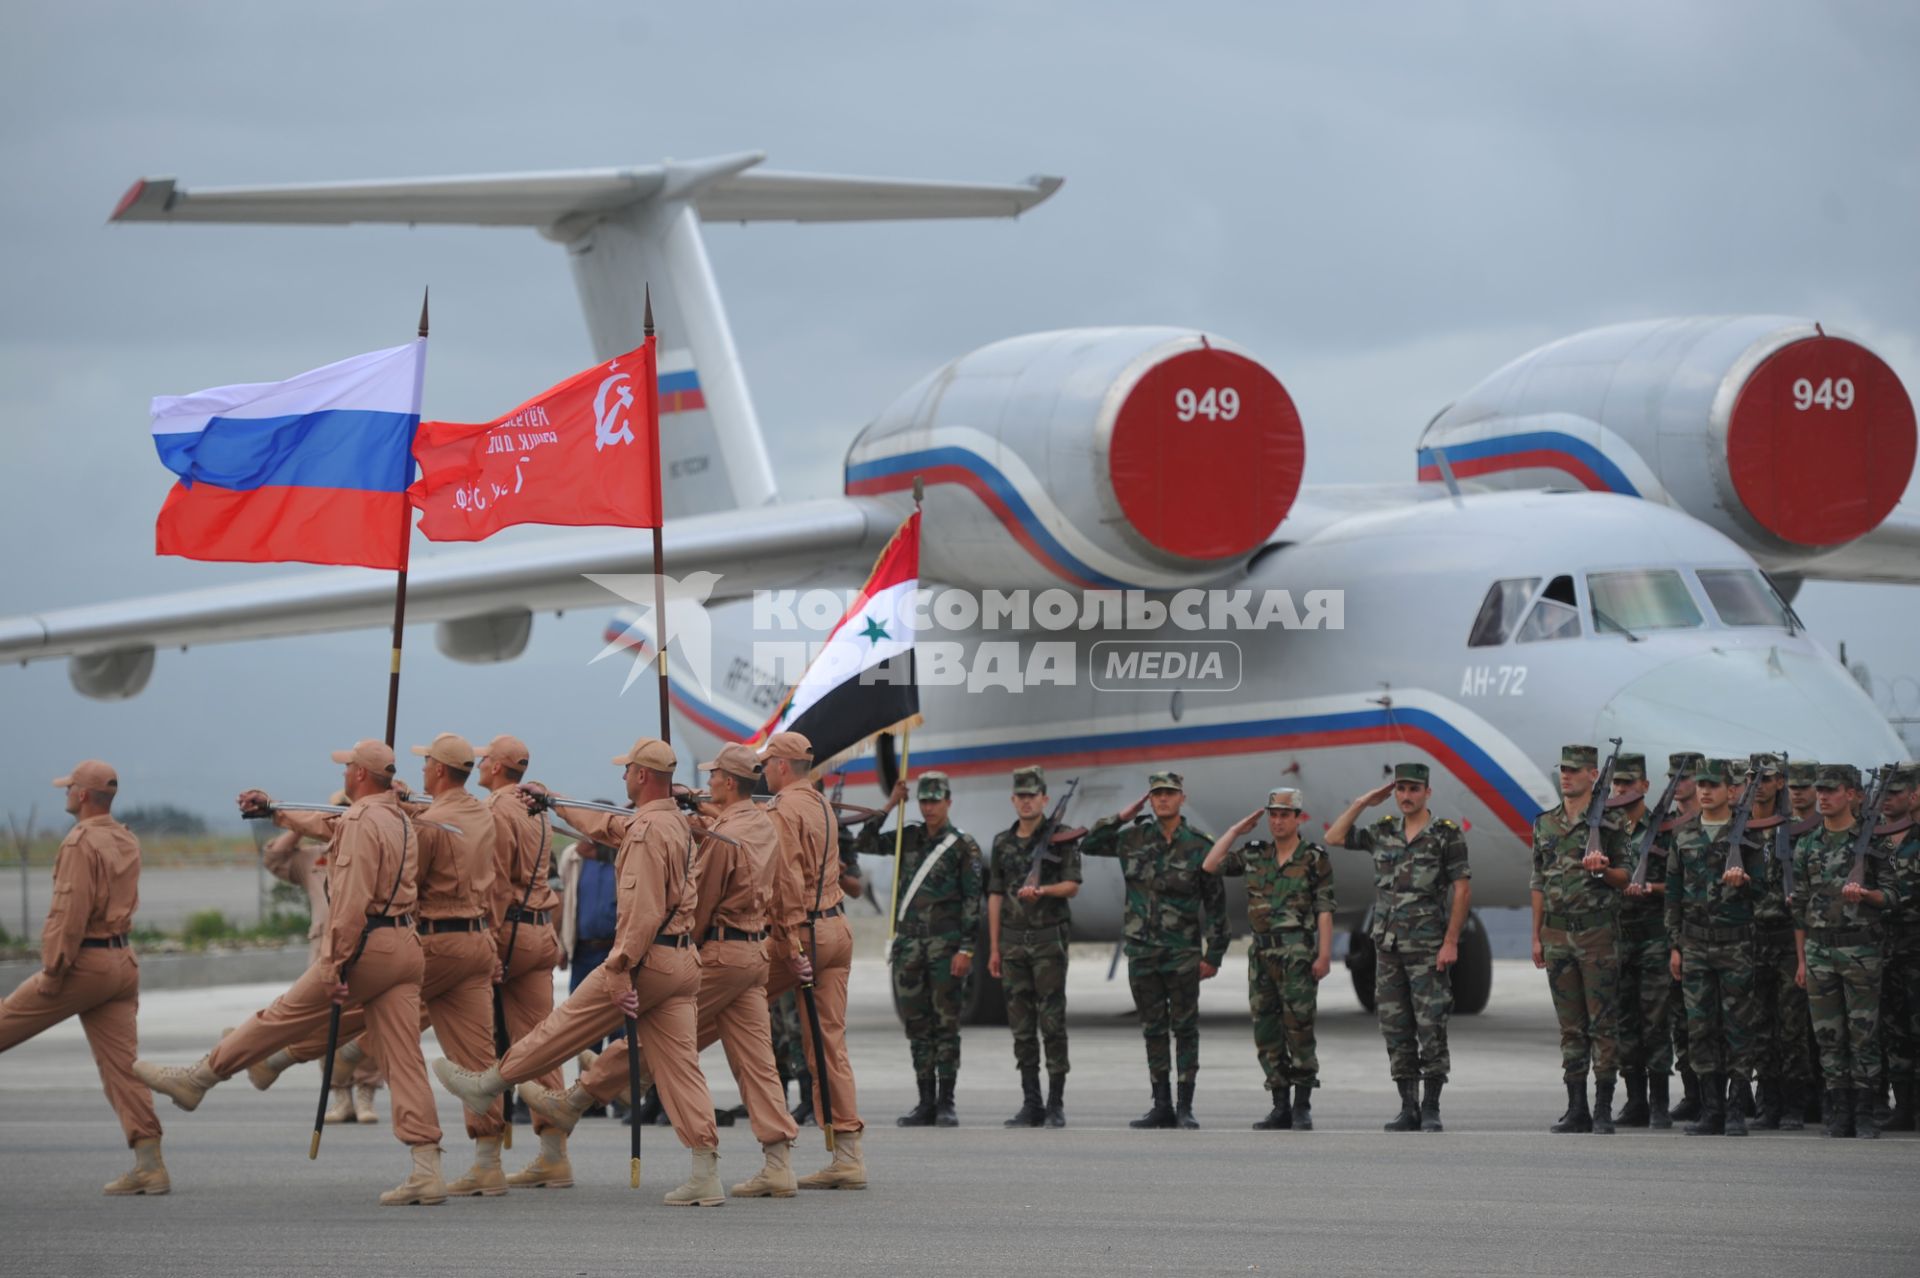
1716 935
105 942
594 942
1774 933
734 934
1844 935
1055 935
430 926
517 915
826 914
389 920
678 941
1579 922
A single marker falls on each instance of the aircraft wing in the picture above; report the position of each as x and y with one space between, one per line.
784 545
1890 553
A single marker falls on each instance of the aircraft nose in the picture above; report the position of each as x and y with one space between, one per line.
1733 701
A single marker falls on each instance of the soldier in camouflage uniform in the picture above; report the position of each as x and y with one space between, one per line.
1837 927
1900 975
1290 910
1686 802
1175 911
1027 931
1646 1044
940 882
1576 919
1780 1008
1418 864
1710 918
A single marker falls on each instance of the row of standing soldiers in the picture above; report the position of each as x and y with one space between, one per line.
1665 944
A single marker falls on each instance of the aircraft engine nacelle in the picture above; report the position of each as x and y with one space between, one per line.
1151 458
1787 438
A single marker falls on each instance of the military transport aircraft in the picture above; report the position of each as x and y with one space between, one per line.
1601 539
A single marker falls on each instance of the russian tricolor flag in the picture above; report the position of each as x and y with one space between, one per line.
313 469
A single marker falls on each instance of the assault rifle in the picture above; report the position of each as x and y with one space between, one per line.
1597 804
1656 816
1742 815
1046 843
1867 830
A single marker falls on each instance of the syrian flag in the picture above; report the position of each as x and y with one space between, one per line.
862 682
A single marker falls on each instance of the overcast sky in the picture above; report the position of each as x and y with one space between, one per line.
1383 202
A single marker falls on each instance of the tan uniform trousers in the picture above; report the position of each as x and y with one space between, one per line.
733 1010
668 983
102 988
832 964
456 999
526 993
383 990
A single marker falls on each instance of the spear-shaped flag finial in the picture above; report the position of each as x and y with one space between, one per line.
423 310
646 324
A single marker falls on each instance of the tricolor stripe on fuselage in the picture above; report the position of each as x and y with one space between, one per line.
1531 450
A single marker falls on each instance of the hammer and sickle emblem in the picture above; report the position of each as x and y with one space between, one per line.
606 416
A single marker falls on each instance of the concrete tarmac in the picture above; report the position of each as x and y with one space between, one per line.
1494 1194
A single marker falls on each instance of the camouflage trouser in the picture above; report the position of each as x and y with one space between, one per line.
1166 990
1583 974
1677 1020
1780 1011
1034 977
1283 995
1900 1000
1722 1031
783 1019
1413 999
1646 983
928 995
1843 996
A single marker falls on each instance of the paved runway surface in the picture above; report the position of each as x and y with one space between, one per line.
1494 1195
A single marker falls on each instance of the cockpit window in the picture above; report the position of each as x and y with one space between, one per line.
1555 616
1500 611
1642 599
1743 597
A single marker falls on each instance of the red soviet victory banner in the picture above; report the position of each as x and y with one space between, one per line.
585 452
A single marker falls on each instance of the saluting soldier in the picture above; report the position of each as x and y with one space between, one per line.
1290 908
86 968
372 960
1027 933
941 886
1780 1005
1175 928
1900 977
1837 929
1646 1043
1686 802
1710 921
1423 892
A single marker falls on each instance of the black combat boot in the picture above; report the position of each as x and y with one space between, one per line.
1408 1120
1603 1107
650 1112
1031 1114
1689 1107
1713 1107
1740 1095
1161 1114
1732 1121
943 1115
1839 1112
1866 1125
1430 1106
1280 1117
1793 1103
1903 1096
920 1115
803 1112
1635 1113
1657 1116
1578 1117
1183 1110
1303 1107
1768 1103
1056 1099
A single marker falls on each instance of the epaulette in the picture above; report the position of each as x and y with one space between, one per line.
1448 824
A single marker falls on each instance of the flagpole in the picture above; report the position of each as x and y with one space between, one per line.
652 391
400 581
906 760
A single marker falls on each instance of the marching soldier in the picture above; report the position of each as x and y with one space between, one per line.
1646 1044
1027 930
372 960
86 969
651 976
1686 802
1900 978
1171 902
940 889
1710 922
1780 1005
811 943
1838 933
1423 894
1290 910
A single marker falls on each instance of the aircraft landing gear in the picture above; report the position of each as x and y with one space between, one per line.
1472 974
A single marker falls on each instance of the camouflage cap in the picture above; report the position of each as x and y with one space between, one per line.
1415 772
1030 780
1736 770
1770 765
1717 771
1835 776
1284 799
1904 778
1579 756
1166 781
933 785
1630 767
1685 762
1802 772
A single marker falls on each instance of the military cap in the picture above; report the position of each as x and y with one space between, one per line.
1770 765
375 756
933 785
449 748
1416 772
1283 798
1579 756
1904 778
1801 772
1166 781
1685 762
90 774
1835 776
1030 780
1736 770
649 752
787 745
734 759
508 751
1630 767
1718 771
